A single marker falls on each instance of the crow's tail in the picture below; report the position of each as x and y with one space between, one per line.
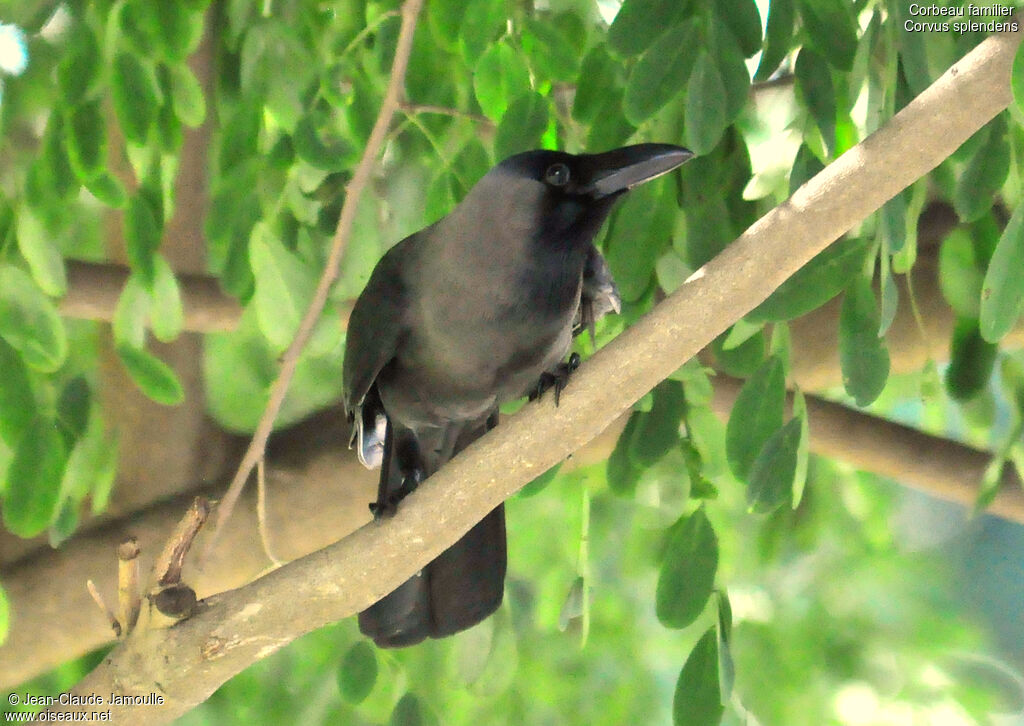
466 582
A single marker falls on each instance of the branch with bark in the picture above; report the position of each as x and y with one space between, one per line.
228 632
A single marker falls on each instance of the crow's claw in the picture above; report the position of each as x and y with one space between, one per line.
387 505
556 379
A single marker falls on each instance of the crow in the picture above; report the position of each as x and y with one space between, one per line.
477 309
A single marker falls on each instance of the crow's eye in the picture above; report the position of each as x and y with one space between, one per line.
557 175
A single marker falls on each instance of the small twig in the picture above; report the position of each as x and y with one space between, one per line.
129 596
783 79
416 108
107 612
362 34
261 512
361 177
168 565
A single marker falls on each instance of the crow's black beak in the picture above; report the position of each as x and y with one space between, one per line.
622 169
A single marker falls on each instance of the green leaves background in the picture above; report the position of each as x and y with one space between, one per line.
767 93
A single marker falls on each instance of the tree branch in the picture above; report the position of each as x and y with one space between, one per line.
940 468
360 179
228 632
94 289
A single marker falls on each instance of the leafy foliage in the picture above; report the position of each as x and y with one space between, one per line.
686 507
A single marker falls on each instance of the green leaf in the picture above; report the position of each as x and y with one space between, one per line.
658 429
358 672
187 96
862 354
688 568
92 465
142 235
153 377
774 470
708 230
33 479
803 447
44 259
284 287
662 73
814 79
778 37
410 712
108 189
705 106
726 667
892 223
131 313
482 23
140 27
522 125
168 131
744 22
743 359
65 521
756 416
60 176
104 474
86 138
622 473
985 173
732 68
610 129
136 95
167 313
817 282
698 698
890 297
639 22
700 486
551 53
961 278
540 482
806 165
73 407
1017 78
180 28
671 271
832 30
1002 293
80 69
29 322
17 403
598 75
332 155
971 361
440 197
639 232
741 332
445 18
500 76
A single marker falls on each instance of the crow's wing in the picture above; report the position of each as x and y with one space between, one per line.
375 330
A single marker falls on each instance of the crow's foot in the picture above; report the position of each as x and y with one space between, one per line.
556 379
387 503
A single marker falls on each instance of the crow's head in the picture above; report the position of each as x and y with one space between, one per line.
564 198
